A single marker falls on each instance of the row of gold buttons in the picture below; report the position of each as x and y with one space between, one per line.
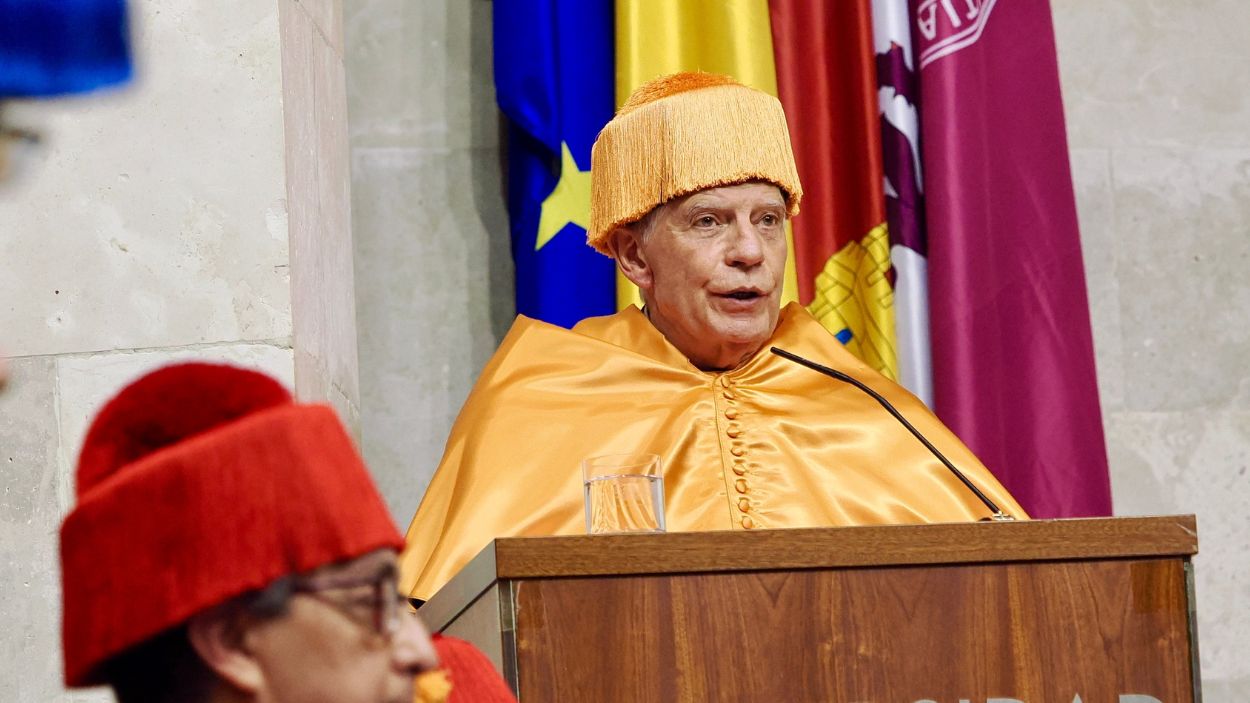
739 451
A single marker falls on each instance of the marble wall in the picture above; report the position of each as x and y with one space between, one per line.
318 186
433 265
1157 113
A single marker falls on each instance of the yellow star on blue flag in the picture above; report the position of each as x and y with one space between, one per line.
555 83
568 202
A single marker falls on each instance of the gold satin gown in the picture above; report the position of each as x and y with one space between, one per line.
768 445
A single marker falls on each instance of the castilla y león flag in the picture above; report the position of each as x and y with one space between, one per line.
1012 354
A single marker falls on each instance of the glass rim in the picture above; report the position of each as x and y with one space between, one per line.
621 460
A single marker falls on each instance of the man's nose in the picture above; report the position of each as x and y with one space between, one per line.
746 249
412 651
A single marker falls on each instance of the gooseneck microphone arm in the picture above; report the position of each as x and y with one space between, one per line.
996 513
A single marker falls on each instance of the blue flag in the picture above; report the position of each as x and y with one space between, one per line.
59 47
554 82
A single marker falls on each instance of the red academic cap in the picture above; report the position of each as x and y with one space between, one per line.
198 483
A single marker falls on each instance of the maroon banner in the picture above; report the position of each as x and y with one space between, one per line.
1013 359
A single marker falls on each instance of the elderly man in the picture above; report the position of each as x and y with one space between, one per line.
229 545
692 183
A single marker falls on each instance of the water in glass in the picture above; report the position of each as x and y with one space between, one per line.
624 503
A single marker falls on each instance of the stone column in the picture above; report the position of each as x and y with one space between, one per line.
318 188
433 258
201 213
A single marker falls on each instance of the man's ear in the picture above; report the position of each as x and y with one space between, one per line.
626 247
217 636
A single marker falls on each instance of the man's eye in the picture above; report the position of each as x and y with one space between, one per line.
705 221
769 220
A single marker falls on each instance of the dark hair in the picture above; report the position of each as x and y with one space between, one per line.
166 668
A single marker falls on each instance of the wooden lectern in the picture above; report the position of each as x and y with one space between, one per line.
1035 611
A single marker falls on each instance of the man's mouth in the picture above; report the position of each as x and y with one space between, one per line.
742 297
742 293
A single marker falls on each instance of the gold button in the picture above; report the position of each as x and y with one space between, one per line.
741 485
747 522
728 395
738 451
740 469
724 381
731 413
735 430
744 505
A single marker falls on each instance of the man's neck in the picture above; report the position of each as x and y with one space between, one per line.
727 357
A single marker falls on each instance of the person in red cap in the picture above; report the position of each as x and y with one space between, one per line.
228 545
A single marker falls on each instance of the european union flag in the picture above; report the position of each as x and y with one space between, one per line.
554 83
59 47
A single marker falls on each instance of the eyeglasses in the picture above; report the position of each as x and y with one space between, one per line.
381 607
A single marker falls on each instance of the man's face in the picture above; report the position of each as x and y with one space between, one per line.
328 646
711 270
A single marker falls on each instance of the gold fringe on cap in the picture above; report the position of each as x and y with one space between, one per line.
683 133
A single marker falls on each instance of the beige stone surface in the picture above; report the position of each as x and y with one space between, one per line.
420 73
1183 228
156 215
29 519
1156 107
434 297
433 261
327 18
1091 178
319 193
1154 72
90 695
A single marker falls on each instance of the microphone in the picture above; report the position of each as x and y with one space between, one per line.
996 513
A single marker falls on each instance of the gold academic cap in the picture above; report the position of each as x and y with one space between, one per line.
683 133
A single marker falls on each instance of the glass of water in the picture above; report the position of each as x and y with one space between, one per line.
624 493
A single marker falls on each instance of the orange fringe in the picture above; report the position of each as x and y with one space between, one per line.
683 133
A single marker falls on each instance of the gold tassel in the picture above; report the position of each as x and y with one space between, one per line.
684 133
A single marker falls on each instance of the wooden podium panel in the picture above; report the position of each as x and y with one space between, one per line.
1032 611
